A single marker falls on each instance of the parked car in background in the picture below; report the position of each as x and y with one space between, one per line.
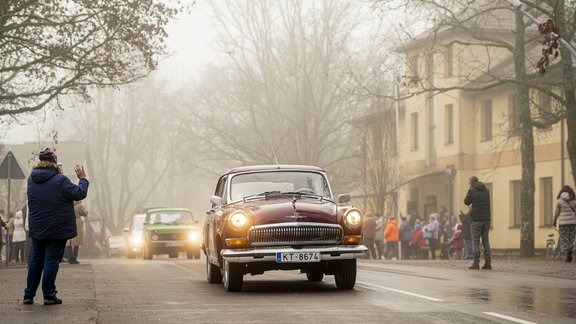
135 236
171 231
280 217
115 246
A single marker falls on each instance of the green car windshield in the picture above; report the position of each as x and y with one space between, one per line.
171 217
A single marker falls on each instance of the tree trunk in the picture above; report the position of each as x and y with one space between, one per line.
526 145
569 88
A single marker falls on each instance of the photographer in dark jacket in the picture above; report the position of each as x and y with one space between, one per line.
478 197
52 221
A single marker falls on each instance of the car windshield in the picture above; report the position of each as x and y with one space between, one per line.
257 183
171 217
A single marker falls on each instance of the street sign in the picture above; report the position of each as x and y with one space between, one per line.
10 169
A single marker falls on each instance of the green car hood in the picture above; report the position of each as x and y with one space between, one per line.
165 228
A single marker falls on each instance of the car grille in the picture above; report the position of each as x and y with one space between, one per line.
172 236
295 234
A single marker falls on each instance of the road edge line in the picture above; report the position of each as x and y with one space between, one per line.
510 318
401 291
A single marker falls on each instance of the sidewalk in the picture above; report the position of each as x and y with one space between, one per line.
536 266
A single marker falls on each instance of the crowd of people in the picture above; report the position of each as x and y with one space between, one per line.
414 238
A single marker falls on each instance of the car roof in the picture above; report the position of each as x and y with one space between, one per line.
270 167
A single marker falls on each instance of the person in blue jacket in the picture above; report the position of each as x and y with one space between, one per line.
51 222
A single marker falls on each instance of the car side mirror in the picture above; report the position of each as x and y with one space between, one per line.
343 198
215 200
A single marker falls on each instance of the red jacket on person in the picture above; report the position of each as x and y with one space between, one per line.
418 238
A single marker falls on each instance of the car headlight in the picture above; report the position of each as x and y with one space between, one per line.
238 220
137 240
353 218
193 236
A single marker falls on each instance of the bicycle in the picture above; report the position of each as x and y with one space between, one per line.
551 248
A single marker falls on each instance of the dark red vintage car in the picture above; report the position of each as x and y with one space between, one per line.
280 217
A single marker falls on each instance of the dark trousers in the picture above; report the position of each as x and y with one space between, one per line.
18 251
44 264
392 248
433 243
480 230
369 242
405 246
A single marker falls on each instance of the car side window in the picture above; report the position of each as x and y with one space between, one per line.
221 189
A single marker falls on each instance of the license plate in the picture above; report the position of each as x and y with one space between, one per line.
297 257
175 244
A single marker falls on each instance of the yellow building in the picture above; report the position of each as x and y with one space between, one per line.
468 128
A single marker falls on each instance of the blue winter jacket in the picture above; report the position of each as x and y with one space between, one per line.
51 197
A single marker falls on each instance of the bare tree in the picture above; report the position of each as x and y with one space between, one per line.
284 95
53 48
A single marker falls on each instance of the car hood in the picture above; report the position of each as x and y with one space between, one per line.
171 228
285 210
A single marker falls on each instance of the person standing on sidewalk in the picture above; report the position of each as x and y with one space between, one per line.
78 240
52 222
405 237
565 218
478 197
392 236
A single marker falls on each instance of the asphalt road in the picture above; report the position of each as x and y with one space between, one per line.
166 290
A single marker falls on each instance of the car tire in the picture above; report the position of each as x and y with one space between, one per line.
345 275
213 273
233 277
173 254
148 252
314 275
193 254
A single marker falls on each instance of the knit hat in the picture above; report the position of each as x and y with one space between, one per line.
473 179
48 155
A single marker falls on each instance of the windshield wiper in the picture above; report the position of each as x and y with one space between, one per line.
260 195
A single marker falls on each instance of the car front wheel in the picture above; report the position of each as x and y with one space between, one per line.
345 275
233 276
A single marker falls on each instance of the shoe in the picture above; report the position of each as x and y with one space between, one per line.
27 300
474 266
52 300
487 266
568 256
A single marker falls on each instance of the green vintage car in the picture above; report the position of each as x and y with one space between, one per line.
171 231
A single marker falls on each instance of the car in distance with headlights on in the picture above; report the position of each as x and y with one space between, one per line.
280 217
135 236
171 231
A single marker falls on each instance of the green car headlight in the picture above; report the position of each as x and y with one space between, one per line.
193 236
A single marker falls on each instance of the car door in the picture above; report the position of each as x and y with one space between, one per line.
212 221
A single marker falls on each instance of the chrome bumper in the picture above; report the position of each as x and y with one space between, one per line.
269 253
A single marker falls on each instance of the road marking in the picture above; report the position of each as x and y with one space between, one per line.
510 318
400 291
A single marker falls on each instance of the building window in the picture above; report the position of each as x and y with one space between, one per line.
545 107
516 220
449 61
414 131
546 201
449 123
513 115
486 120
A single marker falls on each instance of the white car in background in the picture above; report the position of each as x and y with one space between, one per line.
134 241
